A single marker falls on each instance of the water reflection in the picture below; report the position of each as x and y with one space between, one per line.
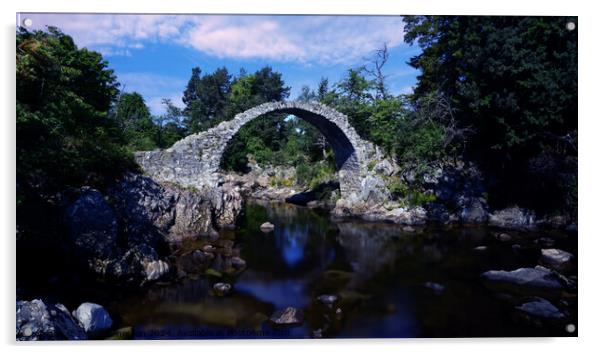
291 241
377 271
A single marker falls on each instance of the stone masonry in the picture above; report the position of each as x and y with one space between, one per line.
194 161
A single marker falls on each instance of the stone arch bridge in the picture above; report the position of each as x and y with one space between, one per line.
194 161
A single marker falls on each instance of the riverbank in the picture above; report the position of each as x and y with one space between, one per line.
453 195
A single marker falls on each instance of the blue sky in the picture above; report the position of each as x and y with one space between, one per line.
154 54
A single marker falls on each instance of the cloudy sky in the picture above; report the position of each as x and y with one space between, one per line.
154 54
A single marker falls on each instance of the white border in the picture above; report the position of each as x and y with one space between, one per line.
590 128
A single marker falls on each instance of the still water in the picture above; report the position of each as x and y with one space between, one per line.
379 272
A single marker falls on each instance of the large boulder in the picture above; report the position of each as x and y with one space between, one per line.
513 218
556 259
140 263
93 318
474 211
155 270
154 213
227 204
535 278
541 308
192 215
374 190
37 320
92 226
157 212
439 213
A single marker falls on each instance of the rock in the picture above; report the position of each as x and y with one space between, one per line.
193 212
475 212
556 259
407 216
36 320
439 213
221 289
373 190
313 204
544 242
238 262
166 212
408 229
513 218
436 287
93 318
538 277
338 313
227 205
267 227
194 262
327 300
541 308
385 167
289 316
92 226
208 248
155 270
139 264
554 221
503 237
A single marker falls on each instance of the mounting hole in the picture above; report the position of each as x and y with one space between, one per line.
571 25
570 328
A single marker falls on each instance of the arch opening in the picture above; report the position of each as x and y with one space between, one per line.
333 135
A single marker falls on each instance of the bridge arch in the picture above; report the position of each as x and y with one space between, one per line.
195 160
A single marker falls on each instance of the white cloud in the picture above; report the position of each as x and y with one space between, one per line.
155 103
154 88
304 39
113 52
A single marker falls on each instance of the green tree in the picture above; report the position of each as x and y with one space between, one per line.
513 81
64 135
206 99
170 126
354 99
267 133
134 119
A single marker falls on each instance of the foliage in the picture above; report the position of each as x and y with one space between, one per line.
312 175
135 122
513 82
408 194
263 136
170 126
63 97
206 99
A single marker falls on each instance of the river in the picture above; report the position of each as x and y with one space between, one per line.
390 282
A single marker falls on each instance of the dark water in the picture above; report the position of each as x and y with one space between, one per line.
378 271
